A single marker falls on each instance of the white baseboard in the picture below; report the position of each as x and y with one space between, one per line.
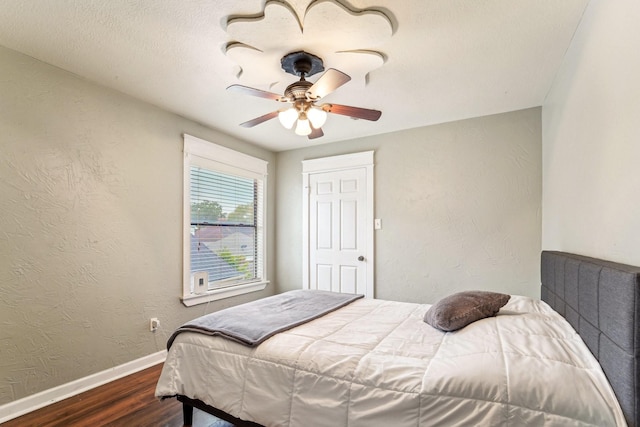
28 404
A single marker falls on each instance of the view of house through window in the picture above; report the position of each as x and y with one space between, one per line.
223 226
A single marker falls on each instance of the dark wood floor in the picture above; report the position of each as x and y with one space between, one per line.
128 402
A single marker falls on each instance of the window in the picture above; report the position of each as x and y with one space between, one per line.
224 245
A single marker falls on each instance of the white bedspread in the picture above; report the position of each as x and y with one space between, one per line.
376 363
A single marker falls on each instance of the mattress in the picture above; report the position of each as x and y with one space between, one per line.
377 363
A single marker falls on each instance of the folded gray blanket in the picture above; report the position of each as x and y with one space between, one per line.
254 322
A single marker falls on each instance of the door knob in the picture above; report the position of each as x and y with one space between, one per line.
360 258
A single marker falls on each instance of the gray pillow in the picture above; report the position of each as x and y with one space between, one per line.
458 310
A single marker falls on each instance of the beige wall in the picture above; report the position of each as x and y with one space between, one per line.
459 203
91 223
591 139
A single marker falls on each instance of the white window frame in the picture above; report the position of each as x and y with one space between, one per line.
221 159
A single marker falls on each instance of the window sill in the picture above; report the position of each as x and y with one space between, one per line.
218 294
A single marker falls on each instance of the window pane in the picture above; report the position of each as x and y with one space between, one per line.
218 198
223 226
225 253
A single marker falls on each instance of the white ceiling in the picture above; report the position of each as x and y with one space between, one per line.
445 60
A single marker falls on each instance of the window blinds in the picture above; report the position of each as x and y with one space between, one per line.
226 218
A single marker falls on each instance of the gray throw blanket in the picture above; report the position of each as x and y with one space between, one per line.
254 322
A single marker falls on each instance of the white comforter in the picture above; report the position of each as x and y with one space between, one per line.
376 363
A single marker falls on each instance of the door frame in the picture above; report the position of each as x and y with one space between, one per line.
336 164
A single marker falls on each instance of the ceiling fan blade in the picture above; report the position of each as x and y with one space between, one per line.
315 133
331 80
246 90
355 112
258 120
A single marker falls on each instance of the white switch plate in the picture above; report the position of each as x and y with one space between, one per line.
377 223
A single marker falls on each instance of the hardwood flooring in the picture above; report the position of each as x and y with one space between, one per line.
128 402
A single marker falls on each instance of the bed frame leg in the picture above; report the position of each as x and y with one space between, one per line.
187 414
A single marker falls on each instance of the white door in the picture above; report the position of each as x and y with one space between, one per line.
339 225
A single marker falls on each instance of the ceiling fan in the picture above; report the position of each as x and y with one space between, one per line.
303 95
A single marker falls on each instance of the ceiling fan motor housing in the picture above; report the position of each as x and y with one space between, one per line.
298 90
302 64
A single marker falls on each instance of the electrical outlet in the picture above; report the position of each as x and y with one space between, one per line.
154 324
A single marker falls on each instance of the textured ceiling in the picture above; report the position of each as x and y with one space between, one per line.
432 61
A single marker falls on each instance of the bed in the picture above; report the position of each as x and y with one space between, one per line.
374 362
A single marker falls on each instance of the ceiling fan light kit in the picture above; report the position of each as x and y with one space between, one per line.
303 127
317 117
288 117
307 117
302 111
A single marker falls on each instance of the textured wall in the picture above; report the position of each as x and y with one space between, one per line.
459 203
591 137
90 226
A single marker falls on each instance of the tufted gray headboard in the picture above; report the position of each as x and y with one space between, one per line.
600 300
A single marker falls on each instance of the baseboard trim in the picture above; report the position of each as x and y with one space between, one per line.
39 400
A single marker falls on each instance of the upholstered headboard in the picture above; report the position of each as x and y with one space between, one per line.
600 299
